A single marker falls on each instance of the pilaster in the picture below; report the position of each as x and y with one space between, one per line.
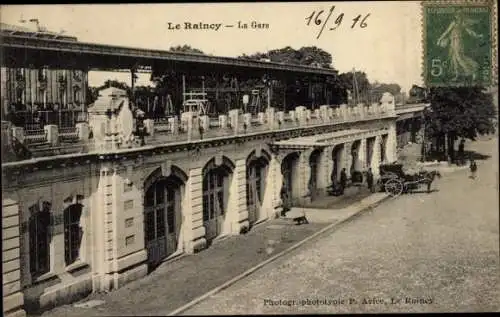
267 208
362 154
103 228
325 169
302 177
237 206
192 209
347 158
13 299
130 254
375 160
277 183
391 146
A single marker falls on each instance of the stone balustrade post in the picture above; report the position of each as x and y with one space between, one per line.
83 130
52 133
343 111
338 113
149 125
330 113
301 114
262 117
205 122
18 133
281 116
292 115
323 110
234 118
359 110
308 114
190 121
247 119
222 121
317 114
271 117
173 124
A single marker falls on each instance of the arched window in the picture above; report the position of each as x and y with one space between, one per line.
159 200
255 174
72 233
39 224
213 194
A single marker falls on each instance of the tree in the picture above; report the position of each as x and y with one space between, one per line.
186 49
346 82
418 94
463 112
314 56
307 55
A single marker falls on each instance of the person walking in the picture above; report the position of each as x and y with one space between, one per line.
473 169
369 180
343 180
461 148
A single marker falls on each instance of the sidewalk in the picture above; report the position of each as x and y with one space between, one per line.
177 283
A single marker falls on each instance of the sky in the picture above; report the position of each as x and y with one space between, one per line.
388 48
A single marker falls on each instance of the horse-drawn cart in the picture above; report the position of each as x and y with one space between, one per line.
396 182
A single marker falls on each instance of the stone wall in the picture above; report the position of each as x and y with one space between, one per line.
111 188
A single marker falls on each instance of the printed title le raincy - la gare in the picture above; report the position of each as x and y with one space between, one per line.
216 26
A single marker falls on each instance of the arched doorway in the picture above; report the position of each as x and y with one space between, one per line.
355 162
313 179
289 172
337 162
163 214
216 182
257 169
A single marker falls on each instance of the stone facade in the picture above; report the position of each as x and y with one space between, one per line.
113 190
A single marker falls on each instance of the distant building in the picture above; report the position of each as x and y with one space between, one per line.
38 32
32 89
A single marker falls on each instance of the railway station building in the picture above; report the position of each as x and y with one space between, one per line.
91 206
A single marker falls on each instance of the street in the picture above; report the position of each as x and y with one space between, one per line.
422 252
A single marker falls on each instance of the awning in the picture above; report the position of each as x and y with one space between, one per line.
406 116
320 140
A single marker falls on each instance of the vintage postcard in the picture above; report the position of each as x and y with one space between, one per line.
249 158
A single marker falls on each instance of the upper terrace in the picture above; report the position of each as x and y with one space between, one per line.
189 129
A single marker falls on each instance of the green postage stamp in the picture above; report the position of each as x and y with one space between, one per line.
459 42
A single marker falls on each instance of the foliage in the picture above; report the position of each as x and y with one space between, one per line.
418 94
346 82
460 112
186 49
307 55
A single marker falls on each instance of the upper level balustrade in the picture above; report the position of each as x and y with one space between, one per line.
89 136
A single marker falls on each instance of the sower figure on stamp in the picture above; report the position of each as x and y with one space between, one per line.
454 38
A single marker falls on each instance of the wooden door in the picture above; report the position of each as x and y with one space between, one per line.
213 204
254 181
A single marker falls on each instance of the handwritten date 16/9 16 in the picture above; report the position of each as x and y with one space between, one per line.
317 17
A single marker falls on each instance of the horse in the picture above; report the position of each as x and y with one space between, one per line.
426 177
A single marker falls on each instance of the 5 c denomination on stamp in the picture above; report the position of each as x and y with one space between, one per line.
458 42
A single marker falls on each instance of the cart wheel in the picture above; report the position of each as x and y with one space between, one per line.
393 187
